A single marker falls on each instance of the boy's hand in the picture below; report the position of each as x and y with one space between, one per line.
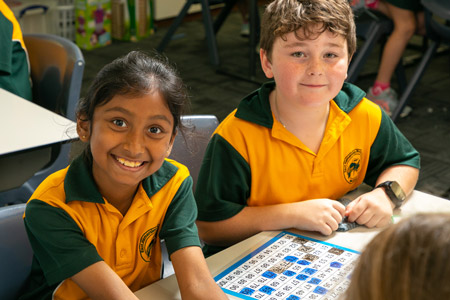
322 215
372 209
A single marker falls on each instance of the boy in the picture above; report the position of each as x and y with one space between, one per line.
306 136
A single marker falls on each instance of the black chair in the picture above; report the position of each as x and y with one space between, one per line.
190 149
210 28
372 28
15 252
57 67
437 33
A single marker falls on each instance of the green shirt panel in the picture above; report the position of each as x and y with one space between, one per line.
179 229
52 245
230 192
390 148
413 5
14 68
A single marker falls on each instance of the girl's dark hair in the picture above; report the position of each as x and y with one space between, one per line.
136 74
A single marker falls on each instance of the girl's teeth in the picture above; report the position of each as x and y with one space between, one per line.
127 163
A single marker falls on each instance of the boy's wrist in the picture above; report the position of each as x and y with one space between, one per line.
394 192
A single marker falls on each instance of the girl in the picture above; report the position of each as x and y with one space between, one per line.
408 18
406 261
95 227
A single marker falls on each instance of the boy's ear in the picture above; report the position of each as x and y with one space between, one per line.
266 64
83 128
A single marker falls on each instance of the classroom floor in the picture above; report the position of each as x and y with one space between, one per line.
214 92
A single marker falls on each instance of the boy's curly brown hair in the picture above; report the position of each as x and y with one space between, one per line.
284 16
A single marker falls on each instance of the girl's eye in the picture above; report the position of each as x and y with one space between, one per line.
298 54
330 55
120 123
155 130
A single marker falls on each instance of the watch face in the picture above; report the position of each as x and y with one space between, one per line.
395 187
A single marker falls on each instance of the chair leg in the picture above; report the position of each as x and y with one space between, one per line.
176 23
254 35
224 12
209 32
415 79
401 77
371 36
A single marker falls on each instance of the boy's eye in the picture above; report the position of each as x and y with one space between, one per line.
330 55
120 123
155 130
298 54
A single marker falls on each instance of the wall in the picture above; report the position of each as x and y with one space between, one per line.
165 9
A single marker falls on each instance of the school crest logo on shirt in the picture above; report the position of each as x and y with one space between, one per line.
146 243
352 165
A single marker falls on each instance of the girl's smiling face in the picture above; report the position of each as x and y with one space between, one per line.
129 138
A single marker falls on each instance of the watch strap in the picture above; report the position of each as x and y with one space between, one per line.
387 186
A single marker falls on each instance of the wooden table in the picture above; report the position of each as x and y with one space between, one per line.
355 239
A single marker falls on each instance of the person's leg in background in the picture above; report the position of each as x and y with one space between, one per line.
405 25
243 9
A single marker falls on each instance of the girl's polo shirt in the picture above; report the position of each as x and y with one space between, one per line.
71 226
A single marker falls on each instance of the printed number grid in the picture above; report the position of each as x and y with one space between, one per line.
290 267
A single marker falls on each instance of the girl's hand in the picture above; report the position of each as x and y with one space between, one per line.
100 282
322 215
372 209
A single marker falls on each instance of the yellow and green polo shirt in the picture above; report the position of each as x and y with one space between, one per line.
253 160
14 66
71 226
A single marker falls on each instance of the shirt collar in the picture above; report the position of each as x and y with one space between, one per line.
255 107
79 184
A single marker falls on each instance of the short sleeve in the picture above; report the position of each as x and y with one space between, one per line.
179 229
224 182
390 148
58 243
7 44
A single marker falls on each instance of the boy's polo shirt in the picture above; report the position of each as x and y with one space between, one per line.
253 160
71 226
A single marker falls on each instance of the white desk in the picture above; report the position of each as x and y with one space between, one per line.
355 239
26 127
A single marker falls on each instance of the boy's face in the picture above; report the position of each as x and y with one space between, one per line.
129 138
307 72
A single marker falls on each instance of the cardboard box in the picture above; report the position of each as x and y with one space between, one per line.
132 19
92 23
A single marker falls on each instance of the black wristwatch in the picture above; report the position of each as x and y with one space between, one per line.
394 192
